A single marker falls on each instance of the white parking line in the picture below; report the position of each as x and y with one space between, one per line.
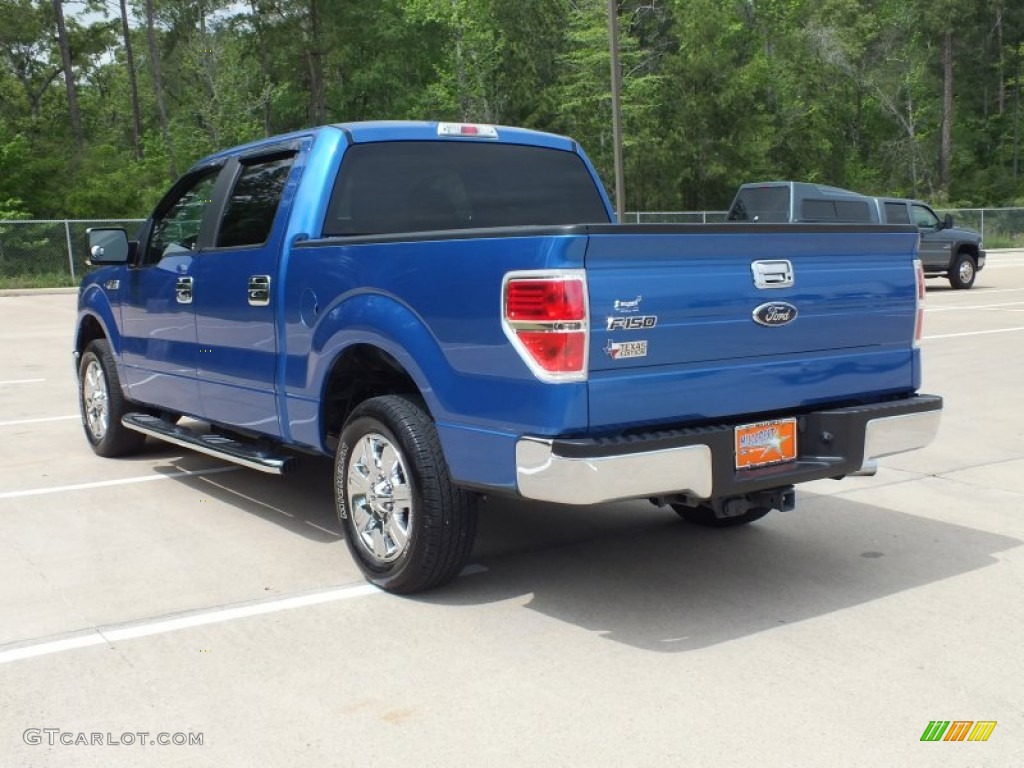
105 636
982 291
21 381
973 333
333 533
974 306
37 421
113 633
108 483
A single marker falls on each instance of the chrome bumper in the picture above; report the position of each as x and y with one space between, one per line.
899 434
544 476
704 469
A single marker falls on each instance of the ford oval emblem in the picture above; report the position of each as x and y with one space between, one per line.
775 313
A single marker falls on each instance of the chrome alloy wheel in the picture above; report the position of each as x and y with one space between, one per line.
96 400
379 497
966 271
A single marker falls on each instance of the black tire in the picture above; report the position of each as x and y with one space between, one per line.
411 529
964 271
705 516
102 404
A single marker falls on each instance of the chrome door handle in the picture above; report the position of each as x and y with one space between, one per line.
183 290
259 290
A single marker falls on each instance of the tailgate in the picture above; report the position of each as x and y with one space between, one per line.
701 322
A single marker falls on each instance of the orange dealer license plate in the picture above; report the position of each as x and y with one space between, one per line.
764 443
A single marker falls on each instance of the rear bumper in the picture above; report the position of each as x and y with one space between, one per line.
700 462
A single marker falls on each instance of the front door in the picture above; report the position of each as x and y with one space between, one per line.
158 323
935 246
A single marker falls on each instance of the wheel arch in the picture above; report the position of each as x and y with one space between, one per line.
89 329
361 371
971 249
96 321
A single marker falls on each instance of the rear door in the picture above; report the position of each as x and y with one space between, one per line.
235 294
708 321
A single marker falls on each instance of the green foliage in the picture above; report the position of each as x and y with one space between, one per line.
715 92
37 280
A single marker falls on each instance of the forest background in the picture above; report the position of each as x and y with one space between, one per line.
102 104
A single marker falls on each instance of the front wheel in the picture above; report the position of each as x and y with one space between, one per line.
102 403
705 516
408 527
963 272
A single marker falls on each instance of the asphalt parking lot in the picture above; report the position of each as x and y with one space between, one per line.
175 596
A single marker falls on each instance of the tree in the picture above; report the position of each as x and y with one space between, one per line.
69 75
158 89
126 39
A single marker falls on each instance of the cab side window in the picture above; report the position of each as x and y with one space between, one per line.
253 204
176 230
896 213
924 218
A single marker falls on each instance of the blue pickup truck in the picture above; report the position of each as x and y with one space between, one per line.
450 311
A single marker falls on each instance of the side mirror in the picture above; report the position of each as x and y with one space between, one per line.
108 245
947 223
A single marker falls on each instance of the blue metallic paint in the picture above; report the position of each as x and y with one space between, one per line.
435 307
94 301
454 333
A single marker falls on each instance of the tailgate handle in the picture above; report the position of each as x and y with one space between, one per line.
772 274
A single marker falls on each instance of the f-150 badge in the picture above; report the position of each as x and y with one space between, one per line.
619 350
775 313
632 322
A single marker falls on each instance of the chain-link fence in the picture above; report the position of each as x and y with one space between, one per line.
999 227
36 254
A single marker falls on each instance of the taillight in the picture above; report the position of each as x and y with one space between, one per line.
544 315
919 302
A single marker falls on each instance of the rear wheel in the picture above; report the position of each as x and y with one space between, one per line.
964 271
706 517
408 527
102 403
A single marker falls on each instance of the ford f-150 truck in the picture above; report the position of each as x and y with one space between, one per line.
450 311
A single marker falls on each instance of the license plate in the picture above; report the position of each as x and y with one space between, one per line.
764 443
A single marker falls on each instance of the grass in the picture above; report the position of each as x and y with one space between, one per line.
998 239
37 280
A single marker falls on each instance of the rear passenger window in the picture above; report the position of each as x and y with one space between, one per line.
818 210
836 210
852 210
896 213
253 203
